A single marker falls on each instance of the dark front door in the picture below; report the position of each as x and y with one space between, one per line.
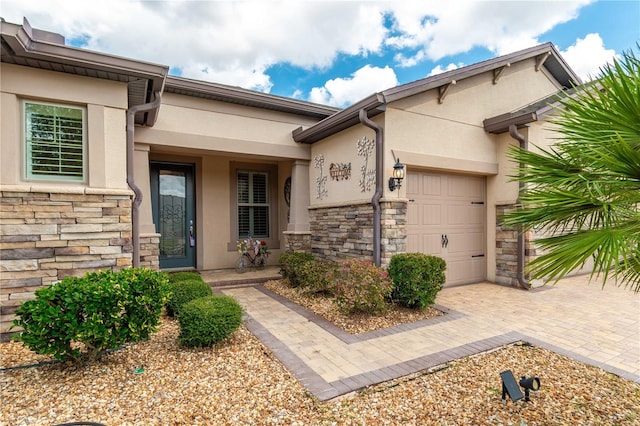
172 197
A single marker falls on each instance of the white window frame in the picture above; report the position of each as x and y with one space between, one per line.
28 174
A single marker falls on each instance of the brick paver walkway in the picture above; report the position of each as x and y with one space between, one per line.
583 321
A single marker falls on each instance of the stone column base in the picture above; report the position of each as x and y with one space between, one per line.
507 249
297 241
150 251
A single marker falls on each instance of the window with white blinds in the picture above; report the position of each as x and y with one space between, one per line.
253 204
55 141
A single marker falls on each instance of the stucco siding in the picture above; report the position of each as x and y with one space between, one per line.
342 149
60 87
215 126
106 104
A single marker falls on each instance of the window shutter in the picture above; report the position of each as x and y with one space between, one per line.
55 141
253 204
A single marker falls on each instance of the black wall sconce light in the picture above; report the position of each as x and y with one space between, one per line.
398 174
510 387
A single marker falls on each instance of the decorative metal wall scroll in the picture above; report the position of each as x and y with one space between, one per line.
340 171
367 176
321 181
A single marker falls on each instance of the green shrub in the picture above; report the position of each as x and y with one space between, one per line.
290 264
185 291
314 276
360 286
417 279
184 276
81 318
208 320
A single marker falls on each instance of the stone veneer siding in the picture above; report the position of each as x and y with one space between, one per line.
507 249
345 232
297 241
45 236
394 229
150 251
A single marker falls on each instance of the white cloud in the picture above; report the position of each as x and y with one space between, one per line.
439 70
411 61
588 55
364 82
440 29
235 41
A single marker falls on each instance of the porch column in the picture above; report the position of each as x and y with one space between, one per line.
141 160
298 234
149 240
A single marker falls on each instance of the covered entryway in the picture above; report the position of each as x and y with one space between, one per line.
446 218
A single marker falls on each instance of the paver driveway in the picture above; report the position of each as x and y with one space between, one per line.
583 321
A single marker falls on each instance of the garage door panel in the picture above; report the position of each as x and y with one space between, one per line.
431 214
413 214
413 184
464 214
464 270
424 243
431 185
471 243
431 244
452 205
466 187
413 243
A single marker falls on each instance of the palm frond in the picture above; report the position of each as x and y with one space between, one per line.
584 191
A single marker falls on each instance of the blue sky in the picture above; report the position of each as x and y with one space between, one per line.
333 52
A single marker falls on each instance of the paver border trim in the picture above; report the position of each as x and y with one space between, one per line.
447 315
325 391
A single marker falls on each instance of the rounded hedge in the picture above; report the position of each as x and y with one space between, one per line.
290 264
81 318
417 279
208 320
185 291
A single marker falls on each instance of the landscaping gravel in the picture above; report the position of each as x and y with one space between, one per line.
356 323
240 382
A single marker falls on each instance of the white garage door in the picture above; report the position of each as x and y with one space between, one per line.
446 218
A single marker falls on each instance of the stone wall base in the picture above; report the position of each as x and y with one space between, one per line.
346 232
46 236
343 232
394 229
297 241
507 250
150 251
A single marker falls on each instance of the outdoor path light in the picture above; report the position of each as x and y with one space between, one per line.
529 383
510 387
398 174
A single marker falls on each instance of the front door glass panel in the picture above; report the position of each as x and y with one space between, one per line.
172 206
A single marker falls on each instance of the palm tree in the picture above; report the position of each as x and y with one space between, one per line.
584 191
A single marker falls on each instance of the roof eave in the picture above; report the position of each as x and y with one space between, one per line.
20 39
242 96
554 63
374 105
500 124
